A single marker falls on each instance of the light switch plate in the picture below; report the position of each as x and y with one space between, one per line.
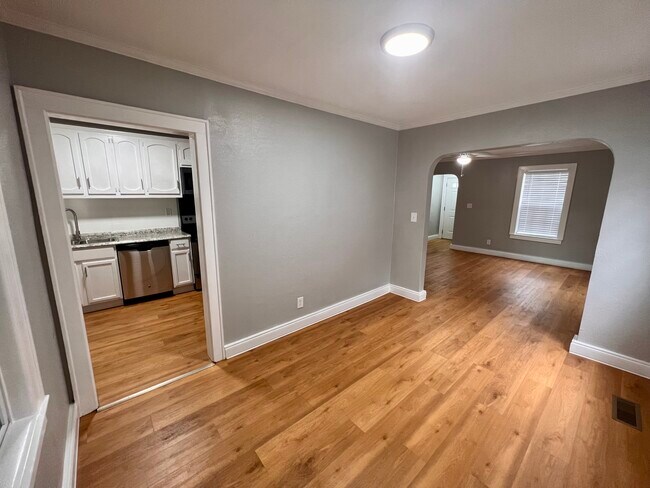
300 302
469 205
414 216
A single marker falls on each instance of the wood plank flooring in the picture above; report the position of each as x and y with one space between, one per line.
472 387
140 345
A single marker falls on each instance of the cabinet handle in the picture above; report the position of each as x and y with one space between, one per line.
88 182
178 185
78 183
142 183
85 272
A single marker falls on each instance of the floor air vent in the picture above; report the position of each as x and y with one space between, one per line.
626 412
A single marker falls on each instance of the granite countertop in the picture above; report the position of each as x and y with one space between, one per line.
115 238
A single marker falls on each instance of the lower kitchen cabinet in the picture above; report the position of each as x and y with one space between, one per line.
98 277
181 256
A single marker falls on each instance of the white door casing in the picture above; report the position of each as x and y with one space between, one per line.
36 108
448 210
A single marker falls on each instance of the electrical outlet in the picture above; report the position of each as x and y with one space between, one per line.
489 242
414 216
300 302
469 205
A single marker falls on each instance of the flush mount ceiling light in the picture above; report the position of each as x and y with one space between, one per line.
463 159
407 39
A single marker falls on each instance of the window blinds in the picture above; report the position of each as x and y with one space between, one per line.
541 202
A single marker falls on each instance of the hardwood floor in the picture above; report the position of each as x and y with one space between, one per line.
472 387
138 346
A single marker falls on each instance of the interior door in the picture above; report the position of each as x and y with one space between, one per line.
68 160
128 164
97 156
163 174
450 194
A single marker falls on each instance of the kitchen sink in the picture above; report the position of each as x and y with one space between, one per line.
93 240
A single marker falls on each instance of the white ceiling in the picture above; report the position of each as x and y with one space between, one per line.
487 55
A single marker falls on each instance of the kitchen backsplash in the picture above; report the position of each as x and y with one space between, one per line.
113 215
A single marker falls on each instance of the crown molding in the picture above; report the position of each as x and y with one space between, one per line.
31 22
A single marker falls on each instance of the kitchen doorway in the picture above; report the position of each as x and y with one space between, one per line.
127 298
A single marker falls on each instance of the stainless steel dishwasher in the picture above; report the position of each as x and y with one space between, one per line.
145 269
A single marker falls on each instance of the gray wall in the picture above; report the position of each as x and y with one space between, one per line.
617 306
490 186
15 188
304 199
436 203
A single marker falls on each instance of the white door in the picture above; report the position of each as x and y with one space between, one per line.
68 160
182 269
101 280
161 166
184 154
449 196
98 162
128 165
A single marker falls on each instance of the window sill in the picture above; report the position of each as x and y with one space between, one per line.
536 239
21 448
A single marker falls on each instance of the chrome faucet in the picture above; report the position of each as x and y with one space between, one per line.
76 237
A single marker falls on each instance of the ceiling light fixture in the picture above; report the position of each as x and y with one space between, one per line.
407 39
463 159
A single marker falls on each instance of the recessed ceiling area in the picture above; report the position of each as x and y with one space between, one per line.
486 56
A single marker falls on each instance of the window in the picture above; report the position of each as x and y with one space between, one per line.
542 202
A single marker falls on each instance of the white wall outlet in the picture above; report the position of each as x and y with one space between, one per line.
414 216
489 242
300 302
469 205
168 211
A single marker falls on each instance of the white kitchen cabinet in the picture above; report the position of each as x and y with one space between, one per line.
128 165
181 257
68 161
98 275
99 163
184 154
161 167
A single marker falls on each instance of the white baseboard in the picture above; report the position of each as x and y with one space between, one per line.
610 358
256 340
522 257
416 296
433 237
71 442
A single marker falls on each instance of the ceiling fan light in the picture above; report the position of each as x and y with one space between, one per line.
463 159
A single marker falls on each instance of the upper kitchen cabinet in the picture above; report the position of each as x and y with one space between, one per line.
185 158
98 162
128 164
161 166
101 163
68 161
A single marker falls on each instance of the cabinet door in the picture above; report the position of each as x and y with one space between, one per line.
184 154
182 269
161 166
68 160
98 162
101 280
128 165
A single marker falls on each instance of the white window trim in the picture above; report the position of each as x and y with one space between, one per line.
571 167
